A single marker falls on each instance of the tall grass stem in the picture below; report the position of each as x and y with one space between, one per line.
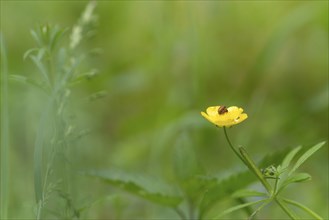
4 178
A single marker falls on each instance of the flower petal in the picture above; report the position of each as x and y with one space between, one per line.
233 116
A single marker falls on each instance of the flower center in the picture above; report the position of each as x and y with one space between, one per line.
222 110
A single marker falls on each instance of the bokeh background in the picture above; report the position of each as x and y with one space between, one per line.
161 63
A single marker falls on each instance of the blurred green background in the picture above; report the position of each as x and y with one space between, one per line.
161 63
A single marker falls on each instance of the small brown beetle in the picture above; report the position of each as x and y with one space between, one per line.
222 110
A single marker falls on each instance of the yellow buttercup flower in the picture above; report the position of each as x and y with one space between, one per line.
224 117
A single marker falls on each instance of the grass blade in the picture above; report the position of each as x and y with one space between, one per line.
235 208
286 161
4 133
303 207
305 156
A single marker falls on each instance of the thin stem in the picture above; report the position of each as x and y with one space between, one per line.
275 187
259 208
180 213
231 146
247 209
4 146
246 159
252 166
285 208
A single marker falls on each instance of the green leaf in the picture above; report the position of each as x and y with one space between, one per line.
141 185
223 188
303 207
183 149
41 67
305 156
298 177
31 82
235 208
286 161
36 38
28 52
55 36
248 193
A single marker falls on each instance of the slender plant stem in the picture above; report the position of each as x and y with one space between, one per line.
231 146
252 166
4 134
285 208
259 208
180 213
246 159
249 163
275 187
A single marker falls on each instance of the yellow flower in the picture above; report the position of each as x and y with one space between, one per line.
224 117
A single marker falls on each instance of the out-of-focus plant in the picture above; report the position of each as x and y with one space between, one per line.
196 192
4 133
58 61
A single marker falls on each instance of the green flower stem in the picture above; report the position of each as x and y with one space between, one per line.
249 163
252 166
268 187
234 150
309 211
246 159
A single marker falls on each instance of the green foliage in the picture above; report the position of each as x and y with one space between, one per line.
238 207
278 174
160 64
142 185
305 156
58 67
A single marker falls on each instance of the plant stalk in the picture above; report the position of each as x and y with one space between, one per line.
4 147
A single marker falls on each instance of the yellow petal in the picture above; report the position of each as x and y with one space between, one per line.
212 111
233 116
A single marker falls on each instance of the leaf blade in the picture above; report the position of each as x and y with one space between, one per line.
287 160
241 206
305 156
303 207
141 185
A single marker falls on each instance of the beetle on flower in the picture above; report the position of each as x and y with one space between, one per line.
224 117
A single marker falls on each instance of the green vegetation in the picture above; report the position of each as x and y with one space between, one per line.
101 102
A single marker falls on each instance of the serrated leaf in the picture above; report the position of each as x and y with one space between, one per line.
286 161
141 185
223 188
305 156
248 193
183 168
